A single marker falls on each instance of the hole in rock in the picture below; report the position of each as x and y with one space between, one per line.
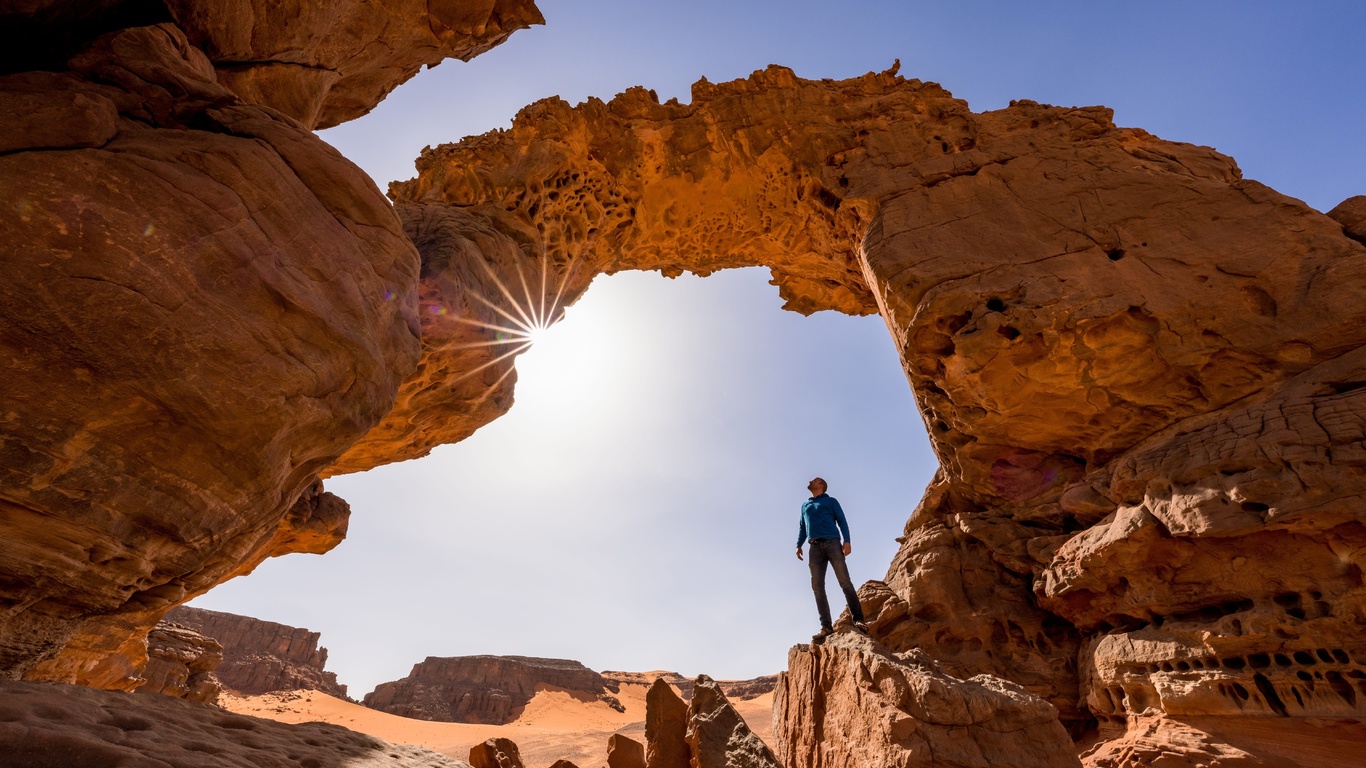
1115 254
996 305
652 466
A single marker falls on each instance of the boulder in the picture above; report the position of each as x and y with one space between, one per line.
496 753
624 752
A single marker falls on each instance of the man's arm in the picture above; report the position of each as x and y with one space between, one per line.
801 532
844 527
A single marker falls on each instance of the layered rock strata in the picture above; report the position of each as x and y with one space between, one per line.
850 701
262 656
52 725
205 304
1138 369
481 689
181 663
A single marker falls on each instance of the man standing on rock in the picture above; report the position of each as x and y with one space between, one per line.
823 523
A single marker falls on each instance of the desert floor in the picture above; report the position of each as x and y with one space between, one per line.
555 724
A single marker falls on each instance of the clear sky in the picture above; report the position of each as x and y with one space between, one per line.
637 509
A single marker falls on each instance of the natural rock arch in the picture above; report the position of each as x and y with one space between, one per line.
1126 354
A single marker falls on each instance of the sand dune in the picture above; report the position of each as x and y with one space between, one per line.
555 724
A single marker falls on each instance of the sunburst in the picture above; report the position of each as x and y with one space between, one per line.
521 322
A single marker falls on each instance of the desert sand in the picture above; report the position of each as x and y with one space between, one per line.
556 724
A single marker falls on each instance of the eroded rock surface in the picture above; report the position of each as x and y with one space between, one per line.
717 736
851 702
262 656
181 663
205 305
496 753
666 728
52 725
1138 369
481 689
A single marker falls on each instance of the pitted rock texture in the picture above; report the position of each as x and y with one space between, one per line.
181 663
262 656
481 689
52 725
851 702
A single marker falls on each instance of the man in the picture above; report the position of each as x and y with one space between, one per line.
823 523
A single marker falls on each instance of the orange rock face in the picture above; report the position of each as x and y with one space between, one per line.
1142 374
207 305
1137 368
850 702
324 64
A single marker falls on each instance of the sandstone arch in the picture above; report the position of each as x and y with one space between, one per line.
1126 353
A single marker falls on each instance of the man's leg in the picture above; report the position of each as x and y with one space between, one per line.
842 575
817 560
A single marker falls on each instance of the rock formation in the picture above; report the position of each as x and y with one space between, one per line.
666 728
851 702
181 663
496 753
1143 375
204 304
717 737
261 656
1138 369
51 725
706 733
624 752
481 689
735 690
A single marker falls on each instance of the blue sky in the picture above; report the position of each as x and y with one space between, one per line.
637 508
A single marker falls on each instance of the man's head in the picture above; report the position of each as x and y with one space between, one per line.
817 486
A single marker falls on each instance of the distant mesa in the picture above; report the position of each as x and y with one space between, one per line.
493 690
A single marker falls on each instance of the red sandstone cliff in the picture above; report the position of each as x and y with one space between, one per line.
260 656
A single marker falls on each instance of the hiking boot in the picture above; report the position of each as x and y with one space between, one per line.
820 636
860 627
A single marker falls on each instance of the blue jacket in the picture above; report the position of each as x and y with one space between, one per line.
820 516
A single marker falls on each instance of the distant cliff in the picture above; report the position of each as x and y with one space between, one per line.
481 689
261 656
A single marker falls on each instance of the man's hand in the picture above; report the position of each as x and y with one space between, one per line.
799 553
847 548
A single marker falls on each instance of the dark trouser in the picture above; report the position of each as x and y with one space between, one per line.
831 551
